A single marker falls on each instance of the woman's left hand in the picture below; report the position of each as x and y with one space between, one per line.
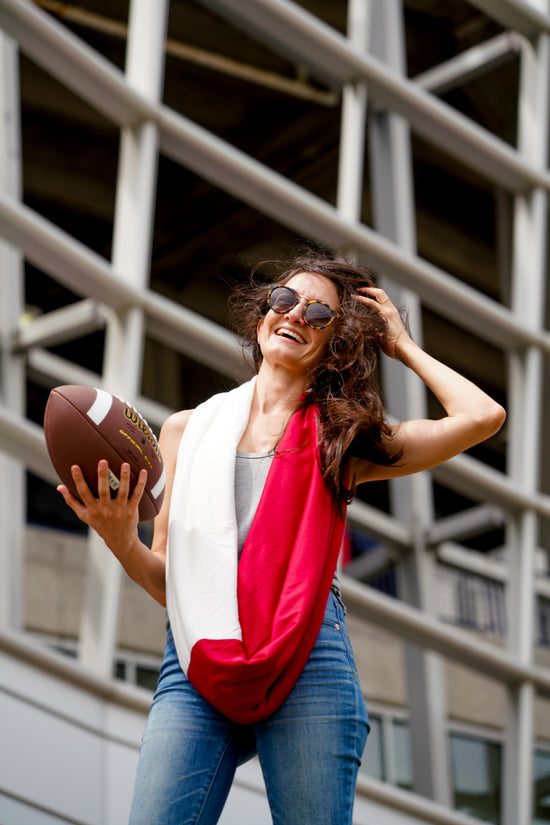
396 334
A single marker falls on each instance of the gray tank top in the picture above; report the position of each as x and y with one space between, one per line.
251 471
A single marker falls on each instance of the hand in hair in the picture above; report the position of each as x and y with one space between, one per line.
396 332
471 415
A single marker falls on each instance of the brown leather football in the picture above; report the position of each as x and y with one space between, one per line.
83 425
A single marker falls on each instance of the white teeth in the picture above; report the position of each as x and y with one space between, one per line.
291 334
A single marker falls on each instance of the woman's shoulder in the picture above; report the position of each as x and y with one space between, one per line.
177 422
173 429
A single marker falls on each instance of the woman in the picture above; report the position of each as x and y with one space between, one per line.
245 547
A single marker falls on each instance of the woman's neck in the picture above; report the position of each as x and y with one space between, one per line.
274 401
277 390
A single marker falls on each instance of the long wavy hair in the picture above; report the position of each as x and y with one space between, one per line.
344 383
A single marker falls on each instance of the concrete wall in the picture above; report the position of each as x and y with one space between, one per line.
53 592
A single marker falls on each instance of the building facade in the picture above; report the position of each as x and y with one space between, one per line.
151 153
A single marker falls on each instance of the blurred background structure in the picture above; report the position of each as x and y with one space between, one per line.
152 152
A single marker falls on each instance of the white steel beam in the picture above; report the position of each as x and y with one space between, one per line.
286 20
453 555
232 170
24 441
523 17
61 325
12 372
379 524
50 370
125 333
349 194
466 523
428 632
351 155
292 206
476 480
369 565
284 25
74 63
195 55
291 31
422 810
470 64
87 273
393 205
529 273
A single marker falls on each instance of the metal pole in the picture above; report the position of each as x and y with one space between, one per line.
122 366
411 497
528 17
12 372
298 35
87 273
354 112
529 267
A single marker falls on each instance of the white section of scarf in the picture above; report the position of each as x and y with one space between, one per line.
202 555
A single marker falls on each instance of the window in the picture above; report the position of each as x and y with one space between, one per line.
543 622
373 757
476 771
388 752
471 601
402 757
137 669
541 789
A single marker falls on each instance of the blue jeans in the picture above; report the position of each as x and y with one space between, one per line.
309 749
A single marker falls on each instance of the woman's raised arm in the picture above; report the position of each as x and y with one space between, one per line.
472 416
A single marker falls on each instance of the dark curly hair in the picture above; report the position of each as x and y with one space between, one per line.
344 384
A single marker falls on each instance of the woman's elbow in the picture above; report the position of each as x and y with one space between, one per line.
492 419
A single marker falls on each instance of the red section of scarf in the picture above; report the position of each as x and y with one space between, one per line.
284 580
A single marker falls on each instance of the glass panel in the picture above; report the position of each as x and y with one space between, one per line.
373 757
543 622
541 802
476 777
120 670
147 677
402 755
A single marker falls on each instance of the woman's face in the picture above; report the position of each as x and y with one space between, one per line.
285 339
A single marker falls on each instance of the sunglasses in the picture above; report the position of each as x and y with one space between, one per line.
316 314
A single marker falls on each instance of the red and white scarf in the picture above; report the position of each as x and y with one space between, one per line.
244 630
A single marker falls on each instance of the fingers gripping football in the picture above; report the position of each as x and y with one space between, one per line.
114 518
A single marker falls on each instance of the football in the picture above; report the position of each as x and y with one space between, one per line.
83 425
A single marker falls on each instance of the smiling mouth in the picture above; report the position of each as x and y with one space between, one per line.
291 335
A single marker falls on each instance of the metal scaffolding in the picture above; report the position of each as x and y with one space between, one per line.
381 108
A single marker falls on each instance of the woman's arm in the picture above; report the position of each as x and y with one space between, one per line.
472 416
116 519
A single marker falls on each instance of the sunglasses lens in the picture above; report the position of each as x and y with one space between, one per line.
318 315
281 299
